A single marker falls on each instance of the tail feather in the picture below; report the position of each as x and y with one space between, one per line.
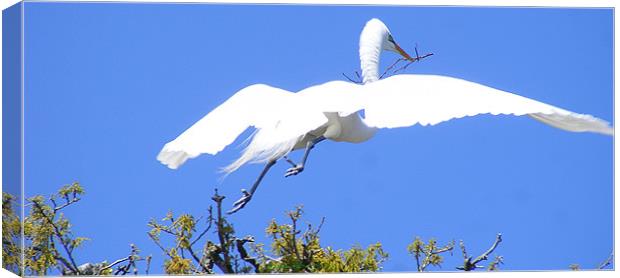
262 148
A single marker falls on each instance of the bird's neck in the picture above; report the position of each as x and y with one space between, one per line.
371 45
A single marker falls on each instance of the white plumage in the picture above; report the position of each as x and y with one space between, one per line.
286 121
282 117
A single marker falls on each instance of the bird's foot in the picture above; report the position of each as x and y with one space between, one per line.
239 204
294 170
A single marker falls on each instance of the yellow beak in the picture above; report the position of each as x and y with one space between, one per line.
403 53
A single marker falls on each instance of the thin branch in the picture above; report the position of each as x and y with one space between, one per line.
162 228
320 225
469 265
486 254
426 262
210 220
411 62
148 264
350 79
204 268
293 242
64 261
391 66
244 253
159 244
114 263
463 250
214 257
68 203
220 227
58 234
417 261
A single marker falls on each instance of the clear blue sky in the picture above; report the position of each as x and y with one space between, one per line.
107 85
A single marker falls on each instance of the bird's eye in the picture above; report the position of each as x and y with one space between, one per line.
391 39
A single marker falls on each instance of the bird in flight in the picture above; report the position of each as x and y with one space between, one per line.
285 121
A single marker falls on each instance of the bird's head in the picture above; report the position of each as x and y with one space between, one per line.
376 29
376 38
390 44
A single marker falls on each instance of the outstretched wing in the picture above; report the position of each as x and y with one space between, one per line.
406 100
256 105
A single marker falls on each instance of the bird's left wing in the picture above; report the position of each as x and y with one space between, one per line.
256 105
408 99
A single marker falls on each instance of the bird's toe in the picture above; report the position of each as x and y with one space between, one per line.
294 171
239 204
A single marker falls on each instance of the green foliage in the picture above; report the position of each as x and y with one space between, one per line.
11 235
305 254
49 241
183 257
46 229
429 253
50 244
291 249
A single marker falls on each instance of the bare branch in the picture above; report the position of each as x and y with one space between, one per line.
469 265
350 79
148 264
115 263
411 62
294 215
66 204
391 66
463 250
210 220
220 233
485 255
244 253
198 260
159 244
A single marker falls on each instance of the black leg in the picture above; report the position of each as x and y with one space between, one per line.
289 161
298 168
247 196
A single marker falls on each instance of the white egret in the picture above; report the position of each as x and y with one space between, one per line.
287 121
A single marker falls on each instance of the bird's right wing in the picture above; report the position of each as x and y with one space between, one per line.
409 99
256 105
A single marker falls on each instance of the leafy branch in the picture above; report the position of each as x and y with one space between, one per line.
429 253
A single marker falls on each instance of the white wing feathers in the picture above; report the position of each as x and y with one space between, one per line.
282 117
406 100
257 105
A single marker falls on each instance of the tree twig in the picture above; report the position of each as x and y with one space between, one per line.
220 233
486 254
68 203
244 253
210 220
159 244
350 79
427 261
58 234
391 66
198 260
470 265
114 263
